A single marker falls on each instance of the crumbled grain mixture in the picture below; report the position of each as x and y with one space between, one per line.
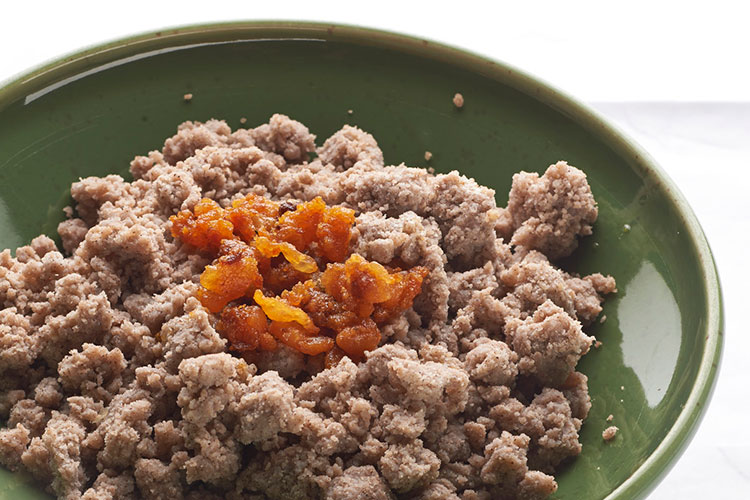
610 432
458 100
188 97
427 155
116 384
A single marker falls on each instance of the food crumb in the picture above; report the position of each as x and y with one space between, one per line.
458 100
622 387
626 228
243 120
597 344
427 155
603 319
188 97
350 111
610 417
610 433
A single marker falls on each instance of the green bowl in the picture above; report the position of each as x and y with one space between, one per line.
91 112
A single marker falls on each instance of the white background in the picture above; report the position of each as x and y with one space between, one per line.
673 75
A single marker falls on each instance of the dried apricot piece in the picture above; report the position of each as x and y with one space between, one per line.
406 285
333 357
326 312
299 226
233 275
368 281
279 275
358 284
358 339
301 262
334 233
252 214
204 228
279 310
300 293
295 336
246 328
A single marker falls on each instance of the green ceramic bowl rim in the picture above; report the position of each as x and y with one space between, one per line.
99 57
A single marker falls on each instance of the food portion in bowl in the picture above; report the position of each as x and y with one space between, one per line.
243 320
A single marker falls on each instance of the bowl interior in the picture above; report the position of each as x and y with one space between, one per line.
91 114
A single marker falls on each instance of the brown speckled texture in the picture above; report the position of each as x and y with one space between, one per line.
115 383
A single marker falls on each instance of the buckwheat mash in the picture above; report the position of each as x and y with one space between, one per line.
254 316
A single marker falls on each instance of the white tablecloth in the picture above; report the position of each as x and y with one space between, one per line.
643 64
